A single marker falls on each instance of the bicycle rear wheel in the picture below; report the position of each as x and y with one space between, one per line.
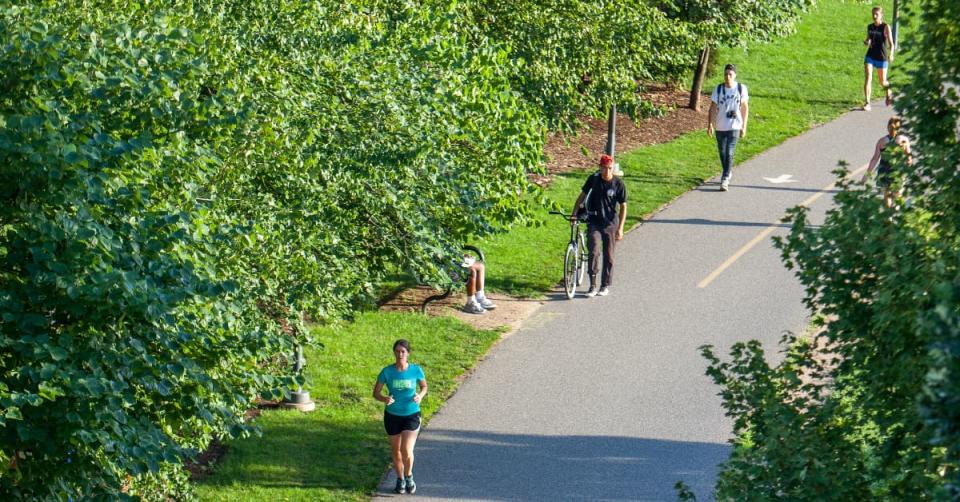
582 258
570 266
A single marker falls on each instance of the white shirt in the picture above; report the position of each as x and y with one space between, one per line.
727 100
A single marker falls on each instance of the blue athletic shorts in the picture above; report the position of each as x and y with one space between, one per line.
874 62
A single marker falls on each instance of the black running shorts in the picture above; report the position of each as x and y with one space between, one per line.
395 424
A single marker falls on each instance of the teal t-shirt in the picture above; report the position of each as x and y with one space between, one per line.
402 386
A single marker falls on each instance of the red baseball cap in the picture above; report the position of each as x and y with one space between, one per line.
606 160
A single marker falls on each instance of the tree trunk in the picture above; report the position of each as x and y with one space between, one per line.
896 24
698 77
612 131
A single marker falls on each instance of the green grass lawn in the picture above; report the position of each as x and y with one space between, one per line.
796 83
339 451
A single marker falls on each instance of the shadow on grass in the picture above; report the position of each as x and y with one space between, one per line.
833 102
663 179
518 287
306 451
456 464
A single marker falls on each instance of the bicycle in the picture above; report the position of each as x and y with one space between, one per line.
575 258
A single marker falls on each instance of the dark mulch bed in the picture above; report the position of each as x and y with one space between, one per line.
566 153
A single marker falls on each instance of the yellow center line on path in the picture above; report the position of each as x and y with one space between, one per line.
766 232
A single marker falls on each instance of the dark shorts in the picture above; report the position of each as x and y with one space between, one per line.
884 175
395 424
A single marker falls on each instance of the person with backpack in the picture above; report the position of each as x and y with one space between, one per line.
604 197
728 116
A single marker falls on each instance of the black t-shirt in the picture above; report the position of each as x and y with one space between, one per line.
603 199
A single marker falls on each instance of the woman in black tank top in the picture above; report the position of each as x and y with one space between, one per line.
880 47
888 147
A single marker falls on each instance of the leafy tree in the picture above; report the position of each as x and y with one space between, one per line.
577 58
723 23
183 181
124 345
867 410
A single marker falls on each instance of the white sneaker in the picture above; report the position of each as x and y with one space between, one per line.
486 303
590 292
604 291
473 307
724 185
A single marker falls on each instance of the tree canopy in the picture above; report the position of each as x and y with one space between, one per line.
183 181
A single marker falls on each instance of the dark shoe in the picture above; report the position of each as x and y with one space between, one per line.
411 486
401 486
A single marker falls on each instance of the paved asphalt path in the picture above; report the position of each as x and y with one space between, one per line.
606 398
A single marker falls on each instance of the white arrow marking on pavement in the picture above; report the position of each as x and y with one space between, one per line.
783 178
766 232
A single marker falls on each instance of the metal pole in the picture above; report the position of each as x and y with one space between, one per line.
612 131
896 24
612 139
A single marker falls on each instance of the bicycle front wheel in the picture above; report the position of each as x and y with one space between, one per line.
582 261
570 266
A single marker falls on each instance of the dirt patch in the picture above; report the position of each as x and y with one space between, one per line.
581 151
510 312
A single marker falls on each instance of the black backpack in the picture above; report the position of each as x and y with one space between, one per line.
739 90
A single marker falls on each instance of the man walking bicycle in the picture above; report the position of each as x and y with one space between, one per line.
604 197
728 114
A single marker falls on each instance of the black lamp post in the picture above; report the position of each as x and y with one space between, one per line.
299 399
612 139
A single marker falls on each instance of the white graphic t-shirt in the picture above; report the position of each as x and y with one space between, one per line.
728 100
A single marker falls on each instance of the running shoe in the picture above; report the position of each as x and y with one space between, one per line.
411 486
487 304
473 307
866 107
591 292
724 185
604 291
401 486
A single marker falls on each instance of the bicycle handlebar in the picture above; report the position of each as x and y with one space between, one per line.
566 216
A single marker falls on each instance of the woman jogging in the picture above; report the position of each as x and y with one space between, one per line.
887 147
880 49
406 385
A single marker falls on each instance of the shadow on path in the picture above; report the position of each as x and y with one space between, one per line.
493 466
715 187
706 222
